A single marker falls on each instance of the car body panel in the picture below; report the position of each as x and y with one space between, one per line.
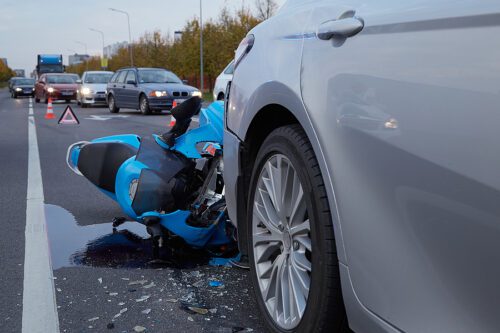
395 108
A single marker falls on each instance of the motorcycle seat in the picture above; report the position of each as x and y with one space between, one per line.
99 162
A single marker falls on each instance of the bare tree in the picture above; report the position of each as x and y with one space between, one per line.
265 8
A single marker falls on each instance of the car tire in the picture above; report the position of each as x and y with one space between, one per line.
83 105
37 100
46 99
68 101
144 105
306 230
220 97
112 104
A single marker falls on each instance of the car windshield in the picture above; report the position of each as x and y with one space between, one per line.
61 79
157 76
24 82
98 77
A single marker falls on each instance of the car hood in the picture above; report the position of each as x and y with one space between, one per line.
63 85
23 86
168 87
95 86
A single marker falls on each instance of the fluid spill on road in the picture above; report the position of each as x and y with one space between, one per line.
99 245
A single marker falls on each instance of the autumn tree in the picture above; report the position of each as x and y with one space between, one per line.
265 8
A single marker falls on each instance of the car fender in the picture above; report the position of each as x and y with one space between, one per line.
276 93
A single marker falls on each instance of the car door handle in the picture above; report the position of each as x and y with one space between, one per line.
341 28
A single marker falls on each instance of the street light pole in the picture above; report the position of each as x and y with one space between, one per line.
201 47
129 35
102 35
86 53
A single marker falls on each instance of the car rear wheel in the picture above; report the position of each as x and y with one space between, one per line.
112 104
144 105
220 97
294 265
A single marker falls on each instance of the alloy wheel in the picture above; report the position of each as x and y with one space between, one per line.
281 239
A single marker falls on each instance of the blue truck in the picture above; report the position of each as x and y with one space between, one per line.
49 63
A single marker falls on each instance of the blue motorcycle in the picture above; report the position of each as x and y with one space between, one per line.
171 183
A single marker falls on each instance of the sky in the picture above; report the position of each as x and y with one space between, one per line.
31 27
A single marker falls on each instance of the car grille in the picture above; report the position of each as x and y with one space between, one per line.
180 93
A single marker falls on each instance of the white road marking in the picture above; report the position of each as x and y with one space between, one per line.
30 108
94 117
39 300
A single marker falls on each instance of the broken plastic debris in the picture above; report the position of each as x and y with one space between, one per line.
93 319
152 284
100 280
215 283
139 329
146 312
190 318
113 294
121 303
171 300
137 282
143 298
213 311
198 310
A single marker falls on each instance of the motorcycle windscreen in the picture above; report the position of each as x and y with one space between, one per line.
156 183
166 162
153 193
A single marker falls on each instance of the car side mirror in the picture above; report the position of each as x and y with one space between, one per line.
185 81
132 82
79 81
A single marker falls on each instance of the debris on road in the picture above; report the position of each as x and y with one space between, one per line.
139 329
146 312
143 298
93 319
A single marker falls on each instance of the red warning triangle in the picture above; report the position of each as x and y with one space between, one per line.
68 117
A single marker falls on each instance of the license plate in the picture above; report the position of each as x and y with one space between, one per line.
179 101
27 91
66 93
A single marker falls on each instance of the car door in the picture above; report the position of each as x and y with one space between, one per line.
131 92
118 89
408 115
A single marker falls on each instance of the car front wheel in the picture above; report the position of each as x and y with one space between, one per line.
144 105
294 266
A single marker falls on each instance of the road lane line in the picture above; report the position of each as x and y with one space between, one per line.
39 301
30 109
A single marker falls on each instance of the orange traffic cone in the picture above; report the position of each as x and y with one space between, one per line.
50 112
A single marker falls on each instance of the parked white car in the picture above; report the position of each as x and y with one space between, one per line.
93 88
221 82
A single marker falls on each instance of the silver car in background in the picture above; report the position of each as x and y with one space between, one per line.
92 90
362 166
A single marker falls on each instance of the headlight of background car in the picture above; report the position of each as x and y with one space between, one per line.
196 93
156 93
85 91
33 89
18 89
50 90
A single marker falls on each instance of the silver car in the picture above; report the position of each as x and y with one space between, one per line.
362 168
92 90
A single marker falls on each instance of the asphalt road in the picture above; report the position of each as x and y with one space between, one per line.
104 281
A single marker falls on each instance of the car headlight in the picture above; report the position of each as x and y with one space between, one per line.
85 91
243 49
50 90
33 89
18 89
196 93
157 93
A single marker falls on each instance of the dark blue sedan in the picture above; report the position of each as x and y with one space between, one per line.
147 90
